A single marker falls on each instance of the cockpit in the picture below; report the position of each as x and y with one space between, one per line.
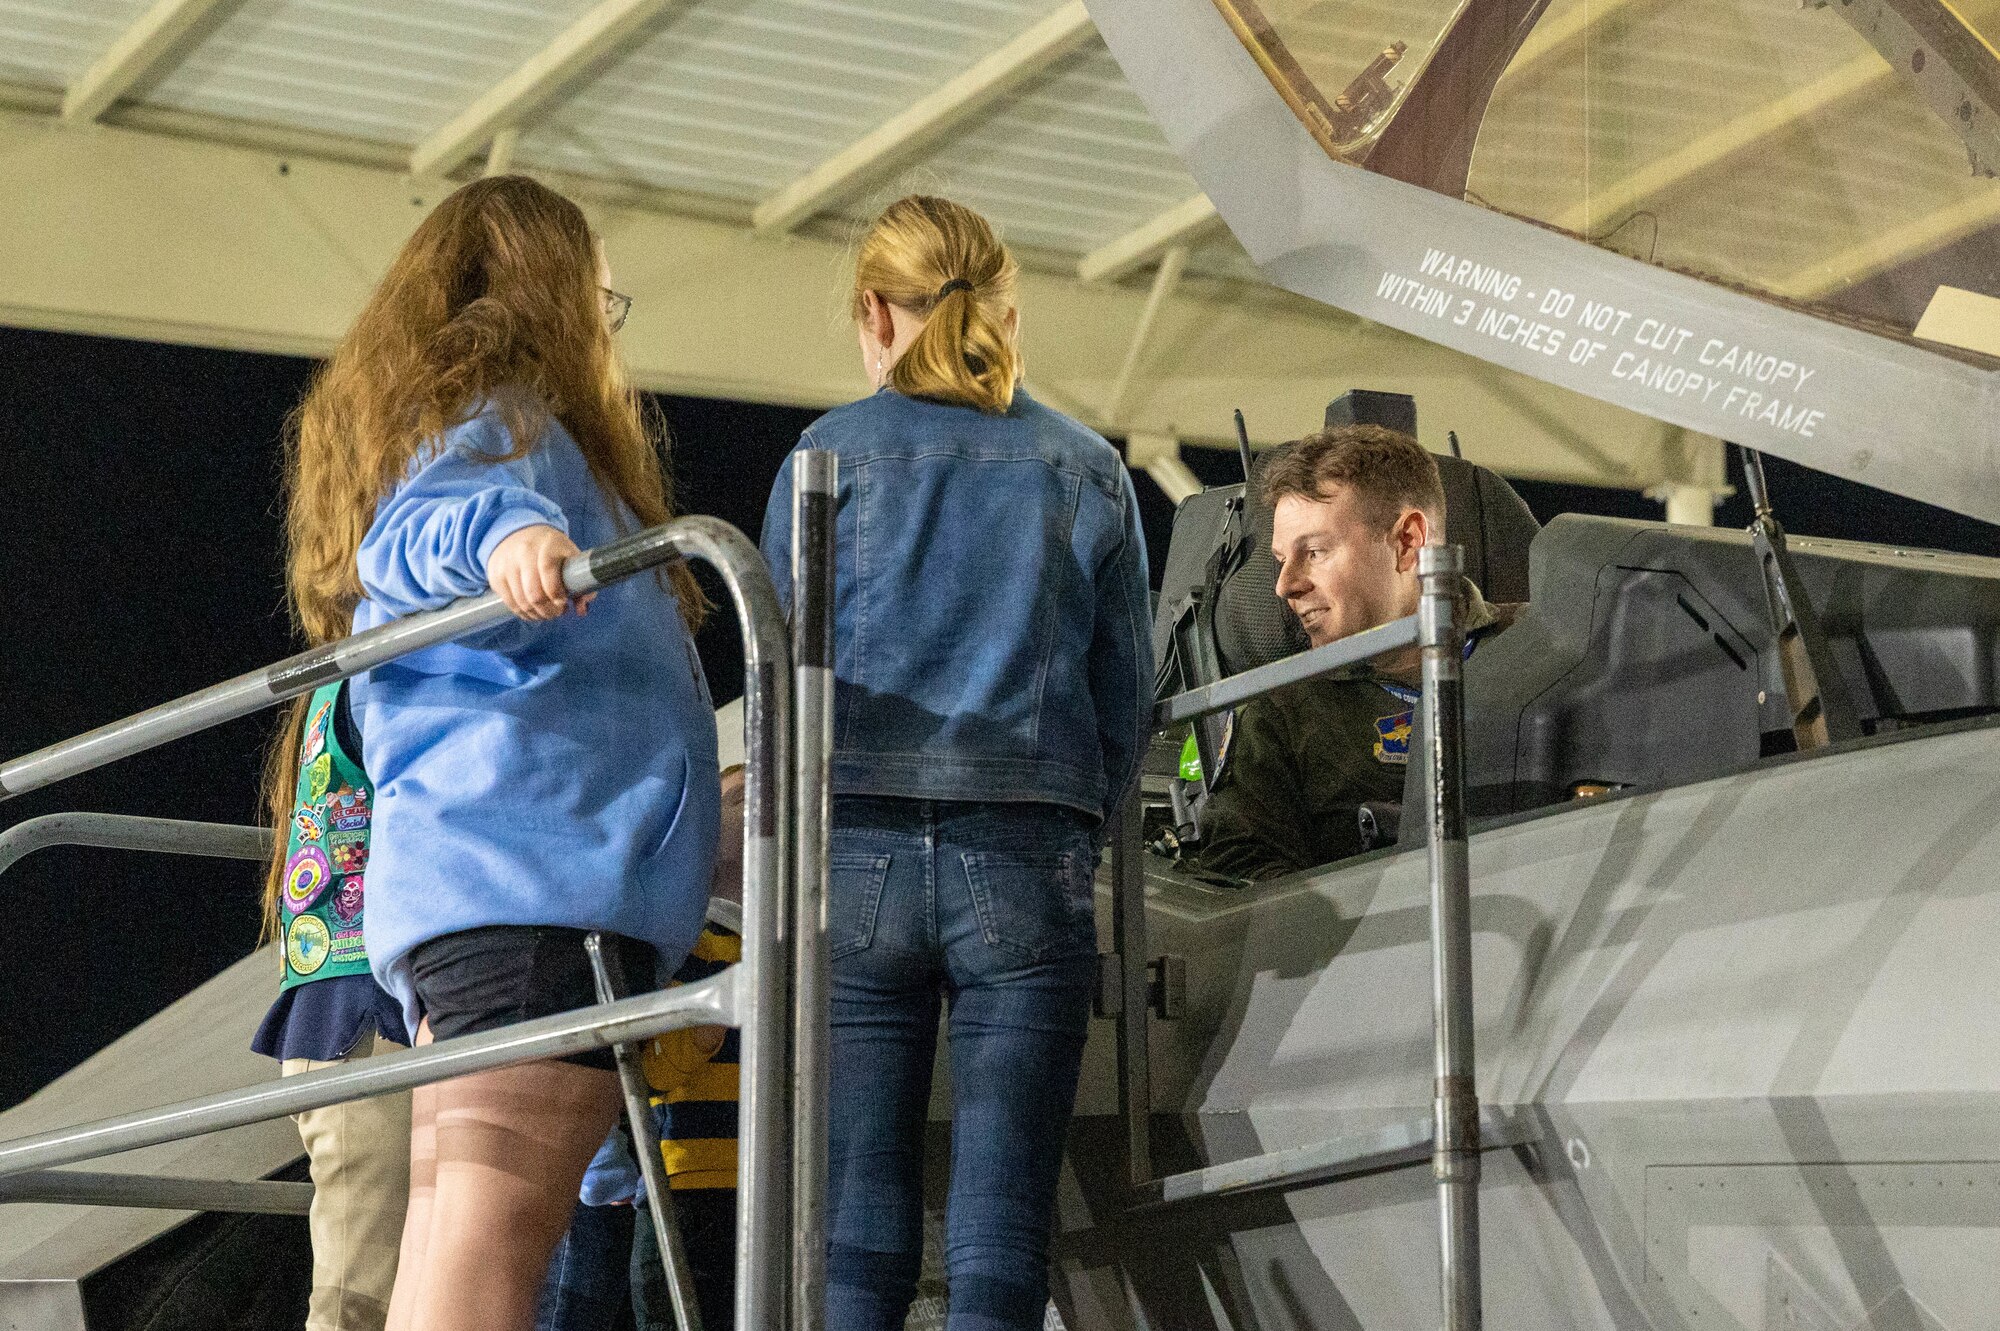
1609 196
1647 654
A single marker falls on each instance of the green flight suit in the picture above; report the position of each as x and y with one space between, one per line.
1303 759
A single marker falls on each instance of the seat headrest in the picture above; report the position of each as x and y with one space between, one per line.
1489 519
1483 514
1252 626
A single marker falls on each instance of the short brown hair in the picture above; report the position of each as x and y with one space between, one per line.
1387 469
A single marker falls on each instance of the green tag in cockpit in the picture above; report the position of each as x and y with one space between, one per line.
1190 760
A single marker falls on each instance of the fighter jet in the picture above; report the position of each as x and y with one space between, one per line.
1735 873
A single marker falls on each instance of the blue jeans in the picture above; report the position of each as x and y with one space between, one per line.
606 1274
990 908
589 1283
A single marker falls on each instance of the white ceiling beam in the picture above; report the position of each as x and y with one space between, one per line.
500 154
516 98
1179 226
1755 129
1159 456
1913 240
141 51
168 237
910 133
1164 283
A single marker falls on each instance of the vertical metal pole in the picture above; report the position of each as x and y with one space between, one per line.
763 1193
646 1145
1128 928
814 480
1455 1111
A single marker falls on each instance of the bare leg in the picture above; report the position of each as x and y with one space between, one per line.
423 1187
511 1148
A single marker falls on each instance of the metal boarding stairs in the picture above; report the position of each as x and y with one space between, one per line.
777 994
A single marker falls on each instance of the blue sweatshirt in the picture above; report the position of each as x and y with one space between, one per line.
558 773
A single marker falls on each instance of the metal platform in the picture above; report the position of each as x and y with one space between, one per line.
198 1046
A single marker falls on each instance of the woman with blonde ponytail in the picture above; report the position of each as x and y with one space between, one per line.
993 675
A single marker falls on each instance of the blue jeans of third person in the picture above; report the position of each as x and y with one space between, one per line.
988 908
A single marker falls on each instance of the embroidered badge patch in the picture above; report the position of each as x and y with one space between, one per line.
347 902
349 809
316 733
350 851
349 949
1392 738
311 822
305 878
307 944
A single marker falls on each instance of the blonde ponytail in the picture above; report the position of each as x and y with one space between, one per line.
941 260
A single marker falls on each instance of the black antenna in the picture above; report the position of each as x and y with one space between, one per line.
1814 690
1243 445
1753 476
1451 436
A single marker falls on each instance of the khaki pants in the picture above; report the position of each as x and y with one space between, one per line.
360 1154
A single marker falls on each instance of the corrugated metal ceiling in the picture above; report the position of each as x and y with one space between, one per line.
734 99
726 98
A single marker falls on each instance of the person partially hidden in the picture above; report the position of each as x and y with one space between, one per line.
1350 508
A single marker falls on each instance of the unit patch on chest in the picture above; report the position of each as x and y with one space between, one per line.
1392 738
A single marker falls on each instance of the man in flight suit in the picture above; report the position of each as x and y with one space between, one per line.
1350 508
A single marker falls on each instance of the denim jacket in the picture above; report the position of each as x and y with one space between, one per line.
991 625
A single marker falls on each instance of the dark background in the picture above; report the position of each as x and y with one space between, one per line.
141 562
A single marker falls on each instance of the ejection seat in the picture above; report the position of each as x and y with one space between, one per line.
1219 613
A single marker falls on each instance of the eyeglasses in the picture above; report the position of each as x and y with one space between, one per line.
617 308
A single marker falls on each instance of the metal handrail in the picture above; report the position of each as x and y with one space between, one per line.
814 492
157 1192
583 573
1455 1107
120 831
1455 1140
713 1001
1340 654
1387 1147
752 995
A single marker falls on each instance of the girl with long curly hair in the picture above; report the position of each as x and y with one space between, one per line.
542 779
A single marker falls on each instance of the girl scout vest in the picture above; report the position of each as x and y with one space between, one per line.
326 854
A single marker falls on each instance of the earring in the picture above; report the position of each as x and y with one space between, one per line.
878 369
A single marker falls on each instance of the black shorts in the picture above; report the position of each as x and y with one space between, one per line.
494 976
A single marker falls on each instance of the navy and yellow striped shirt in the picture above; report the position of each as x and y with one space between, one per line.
694 1076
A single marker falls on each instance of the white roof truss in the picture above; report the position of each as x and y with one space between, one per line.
601 31
1164 281
141 51
1177 227
500 154
915 130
